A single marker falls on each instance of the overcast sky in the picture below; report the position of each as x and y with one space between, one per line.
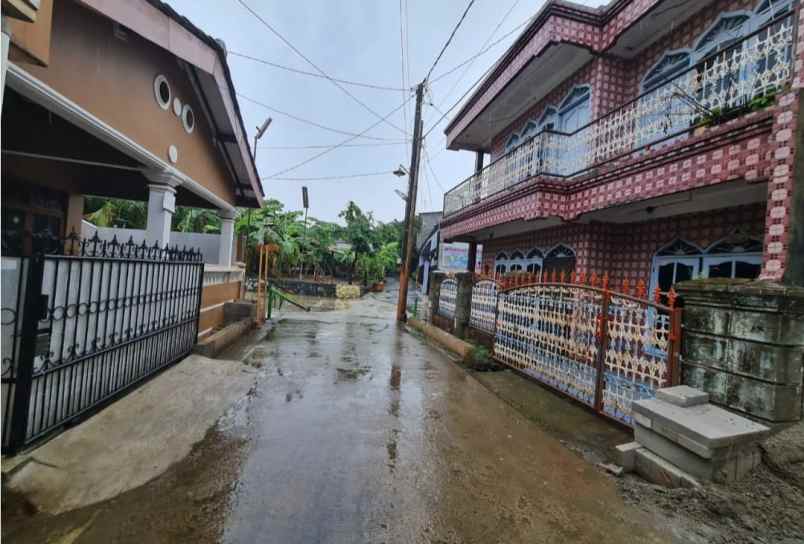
357 41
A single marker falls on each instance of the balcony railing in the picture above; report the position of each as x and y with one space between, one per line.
757 65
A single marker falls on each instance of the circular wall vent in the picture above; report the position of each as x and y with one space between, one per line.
162 92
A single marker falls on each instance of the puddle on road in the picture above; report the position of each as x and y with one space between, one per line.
351 374
316 304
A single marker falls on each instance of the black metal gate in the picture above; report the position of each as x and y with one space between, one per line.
81 326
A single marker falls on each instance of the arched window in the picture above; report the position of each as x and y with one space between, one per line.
534 261
512 142
669 66
500 263
664 108
531 128
517 262
677 261
575 112
559 259
767 10
576 109
728 29
548 119
736 256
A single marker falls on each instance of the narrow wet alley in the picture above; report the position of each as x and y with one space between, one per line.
362 432
358 430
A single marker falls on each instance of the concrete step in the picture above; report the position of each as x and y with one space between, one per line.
661 471
702 429
726 464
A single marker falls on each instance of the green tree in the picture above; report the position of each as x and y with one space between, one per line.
196 220
359 232
115 212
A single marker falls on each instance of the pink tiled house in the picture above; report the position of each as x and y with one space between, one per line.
650 140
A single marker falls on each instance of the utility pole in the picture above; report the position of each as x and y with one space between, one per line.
410 206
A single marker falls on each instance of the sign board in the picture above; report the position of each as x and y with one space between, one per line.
454 257
305 201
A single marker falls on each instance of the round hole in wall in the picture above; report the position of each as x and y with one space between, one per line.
188 119
162 91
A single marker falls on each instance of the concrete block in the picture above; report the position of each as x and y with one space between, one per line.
216 342
773 402
766 362
725 465
704 426
625 455
660 471
241 309
682 395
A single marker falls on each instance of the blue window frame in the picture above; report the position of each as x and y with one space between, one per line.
576 109
669 66
728 29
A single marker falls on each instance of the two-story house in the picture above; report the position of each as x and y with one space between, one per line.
649 140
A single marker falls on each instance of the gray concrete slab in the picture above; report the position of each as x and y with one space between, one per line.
133 440
660 471
625 455
683 395
727 465
698 428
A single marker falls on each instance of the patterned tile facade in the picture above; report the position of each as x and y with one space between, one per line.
758 147
626 251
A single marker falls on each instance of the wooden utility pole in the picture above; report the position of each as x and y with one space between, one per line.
410 207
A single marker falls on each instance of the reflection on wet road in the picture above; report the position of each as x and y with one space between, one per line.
361 432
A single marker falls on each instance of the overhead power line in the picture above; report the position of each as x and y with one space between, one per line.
404 81
481 52
336 146
347 176
313 74
327 146
469 65
309 122
449 40
319 70
464 95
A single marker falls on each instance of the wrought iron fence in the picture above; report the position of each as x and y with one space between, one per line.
483 310
88 323
602 348
447 298
757 65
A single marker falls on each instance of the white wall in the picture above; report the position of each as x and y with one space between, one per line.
207 243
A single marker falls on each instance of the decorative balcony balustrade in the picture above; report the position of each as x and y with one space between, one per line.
759 65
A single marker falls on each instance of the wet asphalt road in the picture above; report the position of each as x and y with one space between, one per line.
360 431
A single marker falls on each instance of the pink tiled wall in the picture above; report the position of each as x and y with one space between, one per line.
626 251
616 81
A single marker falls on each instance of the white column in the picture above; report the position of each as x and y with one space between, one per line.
6 45
227 237
161 205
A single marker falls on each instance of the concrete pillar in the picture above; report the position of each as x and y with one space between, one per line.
478 161
463 303
471 257
75 214
743 343
436 278
6 45
227 237
161 205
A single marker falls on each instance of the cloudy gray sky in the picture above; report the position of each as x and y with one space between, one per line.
357 41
